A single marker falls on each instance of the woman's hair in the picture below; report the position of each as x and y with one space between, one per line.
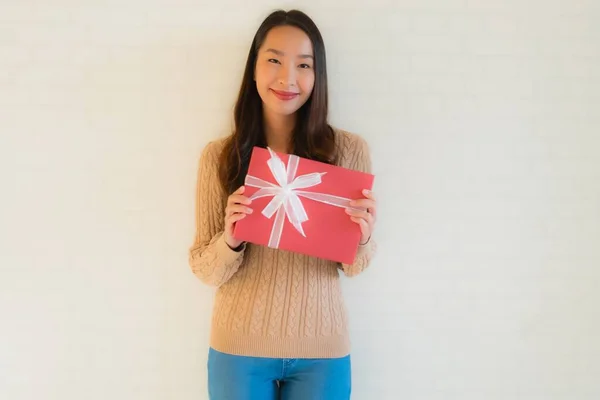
313 137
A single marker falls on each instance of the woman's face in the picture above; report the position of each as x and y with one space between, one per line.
284 72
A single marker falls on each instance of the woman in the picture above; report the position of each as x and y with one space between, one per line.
279 326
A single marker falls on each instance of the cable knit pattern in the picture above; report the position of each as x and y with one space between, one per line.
270 302
295 292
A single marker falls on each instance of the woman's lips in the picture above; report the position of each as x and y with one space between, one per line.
282 95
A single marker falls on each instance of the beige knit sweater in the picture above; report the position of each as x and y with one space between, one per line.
269 302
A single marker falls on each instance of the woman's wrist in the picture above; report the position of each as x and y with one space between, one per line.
237 248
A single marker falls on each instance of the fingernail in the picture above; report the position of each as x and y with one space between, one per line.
250 211
366 191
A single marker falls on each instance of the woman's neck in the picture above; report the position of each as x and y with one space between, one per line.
279 130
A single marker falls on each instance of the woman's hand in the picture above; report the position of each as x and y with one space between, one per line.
365 217
236 210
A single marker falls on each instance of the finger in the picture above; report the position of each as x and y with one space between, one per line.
363 203
368 194
238 208
364 226
235 218
238 199
240 190
371 196
360 214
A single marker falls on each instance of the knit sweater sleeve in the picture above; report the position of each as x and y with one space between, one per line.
357 155
210 257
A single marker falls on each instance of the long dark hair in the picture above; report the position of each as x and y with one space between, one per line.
313 137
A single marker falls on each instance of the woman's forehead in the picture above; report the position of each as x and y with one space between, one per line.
288 41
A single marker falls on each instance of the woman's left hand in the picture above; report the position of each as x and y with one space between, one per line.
365 217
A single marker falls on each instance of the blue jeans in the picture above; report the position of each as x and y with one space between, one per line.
232 377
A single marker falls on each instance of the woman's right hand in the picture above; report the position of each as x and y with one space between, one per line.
236 210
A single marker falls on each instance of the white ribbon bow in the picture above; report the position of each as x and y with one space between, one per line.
286 200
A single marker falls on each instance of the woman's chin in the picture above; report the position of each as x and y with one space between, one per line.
283 109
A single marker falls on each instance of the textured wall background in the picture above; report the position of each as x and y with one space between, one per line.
483 120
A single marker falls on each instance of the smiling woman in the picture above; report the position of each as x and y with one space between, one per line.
279 327
284 71
283 98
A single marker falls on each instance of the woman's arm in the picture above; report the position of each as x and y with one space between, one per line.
210 257
357 156
362 260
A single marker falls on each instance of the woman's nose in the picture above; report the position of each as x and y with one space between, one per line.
287 76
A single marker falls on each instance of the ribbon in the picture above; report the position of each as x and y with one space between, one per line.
286 195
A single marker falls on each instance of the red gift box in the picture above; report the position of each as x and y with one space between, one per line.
299 205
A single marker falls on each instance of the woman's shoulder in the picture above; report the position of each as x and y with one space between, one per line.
352 148
348 140
212 150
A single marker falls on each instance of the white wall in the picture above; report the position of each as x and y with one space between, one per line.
483 118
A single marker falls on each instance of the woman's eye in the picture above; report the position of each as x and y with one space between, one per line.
274 60
304 66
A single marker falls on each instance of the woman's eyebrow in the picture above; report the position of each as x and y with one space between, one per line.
281 53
